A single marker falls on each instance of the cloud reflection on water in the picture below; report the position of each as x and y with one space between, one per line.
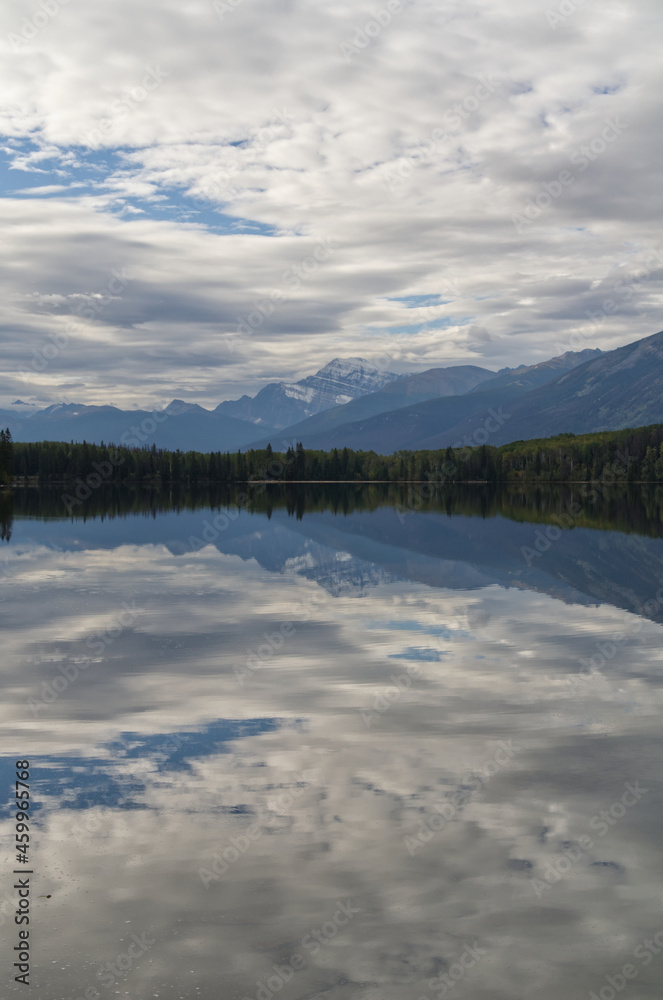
492 666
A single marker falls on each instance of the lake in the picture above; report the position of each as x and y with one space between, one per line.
337 743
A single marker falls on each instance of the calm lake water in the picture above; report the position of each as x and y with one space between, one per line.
337 744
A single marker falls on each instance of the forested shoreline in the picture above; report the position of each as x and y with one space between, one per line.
632 455
620 507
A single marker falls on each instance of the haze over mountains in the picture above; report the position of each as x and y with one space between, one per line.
179 425
349 402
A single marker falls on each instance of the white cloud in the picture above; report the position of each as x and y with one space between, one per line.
171 115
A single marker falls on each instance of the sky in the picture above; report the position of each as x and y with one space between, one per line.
201 198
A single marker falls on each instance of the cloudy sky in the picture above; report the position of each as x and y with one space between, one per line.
198 198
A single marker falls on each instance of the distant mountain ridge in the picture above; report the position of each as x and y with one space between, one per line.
180 425
440 419
617 389
407 390
350 402
237 423
575 393
281 404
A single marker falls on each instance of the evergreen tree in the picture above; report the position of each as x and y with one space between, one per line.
6 457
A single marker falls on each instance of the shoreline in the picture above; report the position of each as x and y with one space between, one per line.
344 482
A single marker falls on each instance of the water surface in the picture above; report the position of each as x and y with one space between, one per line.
335 744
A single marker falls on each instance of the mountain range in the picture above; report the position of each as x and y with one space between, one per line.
280 404
371 423
349 402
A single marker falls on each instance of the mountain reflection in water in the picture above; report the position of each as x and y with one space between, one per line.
345 747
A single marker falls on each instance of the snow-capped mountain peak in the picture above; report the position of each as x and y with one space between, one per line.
282 403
